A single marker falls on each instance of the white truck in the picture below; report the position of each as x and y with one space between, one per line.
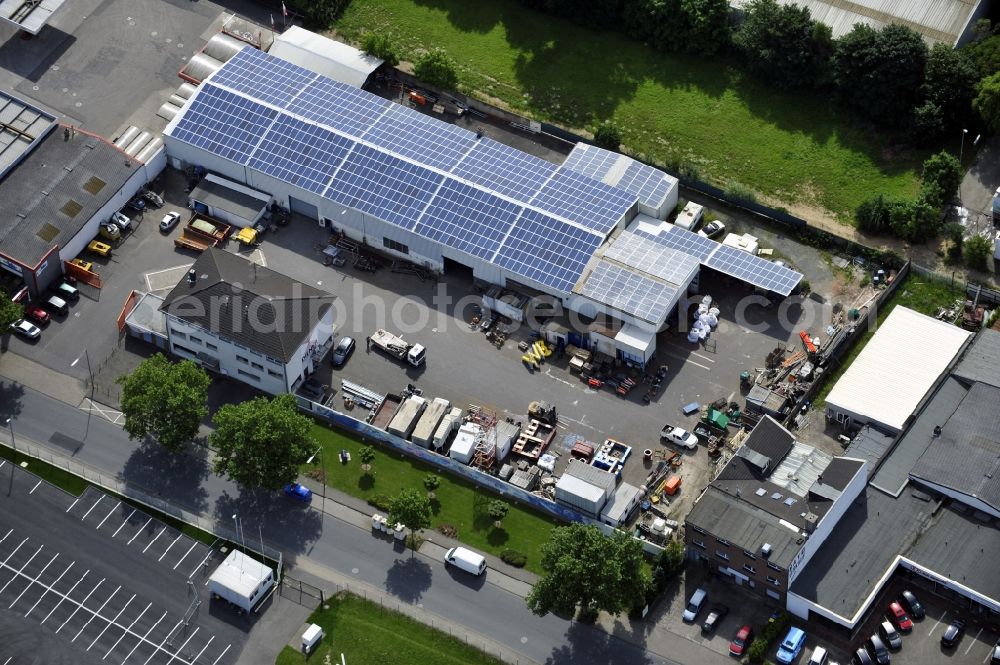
398 348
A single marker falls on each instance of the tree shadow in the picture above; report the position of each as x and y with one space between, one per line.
435 505
366 481
586 645
10 400
408 579
284 524
466 16
177 477
498 537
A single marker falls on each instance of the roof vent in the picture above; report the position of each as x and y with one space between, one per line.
760 491
192 276
937 430
766 550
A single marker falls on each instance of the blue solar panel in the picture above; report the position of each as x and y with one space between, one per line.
584 200
420 137
224 124
468 219
265 77
754 270
649 184
647 255
504 169
591 161
547 250
697 246
301 153
381 185
629 292
340 106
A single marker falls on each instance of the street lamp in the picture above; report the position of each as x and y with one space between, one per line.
10 425
961 149
90 372
322 468
10 486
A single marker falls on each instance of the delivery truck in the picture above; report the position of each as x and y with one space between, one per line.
397 347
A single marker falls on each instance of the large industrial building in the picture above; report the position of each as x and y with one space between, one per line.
590 232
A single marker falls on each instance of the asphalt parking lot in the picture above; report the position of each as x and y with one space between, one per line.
102 581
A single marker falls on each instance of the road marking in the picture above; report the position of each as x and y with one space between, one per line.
190 637
99 499
202 563
49 588
160 647
78 605
193 545
688 361
115 646
215 662
2 589
988 654
71 590
112 622
195 659
73 504
10 531
124 523
94 614
549 374
153 540
934 627
108 515
973 642
35 487
143 638
34 581
143 528
169 546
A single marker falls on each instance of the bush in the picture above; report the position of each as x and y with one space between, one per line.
956 236
437 69
771 632
380 45
940 179
320 13
380 501
740 193
977 253
514 558
872 215
608 136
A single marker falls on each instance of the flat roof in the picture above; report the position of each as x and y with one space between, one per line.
56 190
240 573
27 16
620 502
146 315
870 445
22 127
580 488
981 361
324 56
216 192
897 368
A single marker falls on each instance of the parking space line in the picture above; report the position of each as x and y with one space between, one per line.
193 545
124 523
115 646
36 486
973 642
108 515
989 653
153 540
160 647
190 637
99 499
10 531
934 627
179 535
143 638
4 587
216 661
78 605
34 581
96 614
141 529
113 622
195 659
202 563
71 590
49 588
15 549
687 361
72 505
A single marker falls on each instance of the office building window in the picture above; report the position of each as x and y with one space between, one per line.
722 555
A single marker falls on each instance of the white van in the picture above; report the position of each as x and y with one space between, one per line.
465 559
694 605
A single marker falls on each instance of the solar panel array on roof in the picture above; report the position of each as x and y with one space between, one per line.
753 269
591 161
689 243
338 106
420 137
225 124
585 200
546 250
629 291
468 219
651 257
504 169
301 153
649 184
269 79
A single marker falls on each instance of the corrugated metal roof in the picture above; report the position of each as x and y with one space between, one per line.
937 20
802 466
22 127
900 364
324 56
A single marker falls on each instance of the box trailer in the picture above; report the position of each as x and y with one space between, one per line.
464 446
406 417
423 433
241 580
448 426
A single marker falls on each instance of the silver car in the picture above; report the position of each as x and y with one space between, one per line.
122 221
26 329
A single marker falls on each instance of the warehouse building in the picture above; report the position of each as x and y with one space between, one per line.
446 198
889 380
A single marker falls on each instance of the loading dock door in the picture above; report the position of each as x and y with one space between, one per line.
303 208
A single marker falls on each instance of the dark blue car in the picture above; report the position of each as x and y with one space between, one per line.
298 492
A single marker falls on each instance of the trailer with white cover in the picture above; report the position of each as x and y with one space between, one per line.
407 416
449 424
241 580
464 446
423 433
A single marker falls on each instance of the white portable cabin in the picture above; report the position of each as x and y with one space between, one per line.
406 417
423 433
506 433
464 446
241 580
447 427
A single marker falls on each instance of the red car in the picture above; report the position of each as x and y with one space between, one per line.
742 640
35 312
899 617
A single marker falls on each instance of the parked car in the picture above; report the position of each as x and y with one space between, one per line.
298 492
679 436
899 617
137 204
37 314
466 560
995 654
169 221
343 351
890 635
153 197
66 292
98 247
880 652
26 329
110 232
693 608
819 656
910 602
714 618
122 221
953 633
86 265
712 229
56 304
791 646
862 657
744 636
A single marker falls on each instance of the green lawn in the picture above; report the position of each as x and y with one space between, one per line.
368 634
674 109
457 503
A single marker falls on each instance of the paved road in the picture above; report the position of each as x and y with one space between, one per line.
479 606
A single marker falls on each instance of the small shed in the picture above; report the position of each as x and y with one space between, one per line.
228 201
464 445
241 580
617 510
635 344
766 401
325 56
506 434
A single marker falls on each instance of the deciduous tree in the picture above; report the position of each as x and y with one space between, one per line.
977 253
10 311
411 509
431 482
942 174
164 400
367 456
950 80
783 44
380 45
987 101
262 442
436 68
497 511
